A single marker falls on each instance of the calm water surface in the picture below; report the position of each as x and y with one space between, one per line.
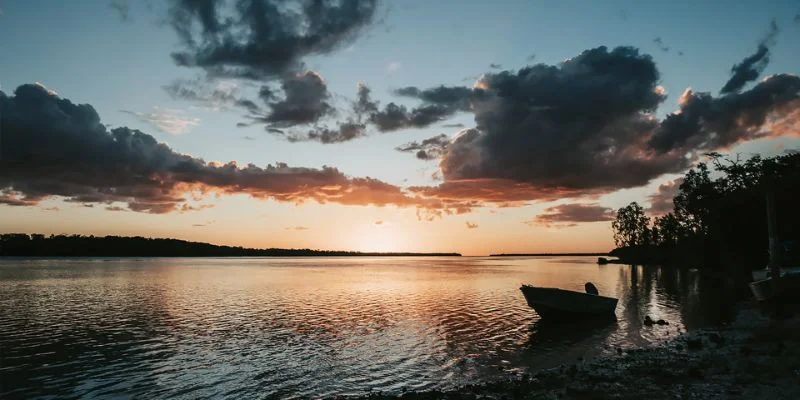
304 327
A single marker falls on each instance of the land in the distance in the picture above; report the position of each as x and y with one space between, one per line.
38 245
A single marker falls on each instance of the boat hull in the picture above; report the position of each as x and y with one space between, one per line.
552 303
789 291
761 274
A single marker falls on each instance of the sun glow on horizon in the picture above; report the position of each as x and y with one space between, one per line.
381 238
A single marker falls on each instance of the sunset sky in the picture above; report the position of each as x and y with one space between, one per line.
471 126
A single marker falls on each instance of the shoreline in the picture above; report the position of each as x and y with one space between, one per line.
754 357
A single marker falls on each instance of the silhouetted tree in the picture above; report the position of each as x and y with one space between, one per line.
719 215
632 226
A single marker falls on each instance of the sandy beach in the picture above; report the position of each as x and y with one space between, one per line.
753 358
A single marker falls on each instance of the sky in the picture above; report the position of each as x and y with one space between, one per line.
468 126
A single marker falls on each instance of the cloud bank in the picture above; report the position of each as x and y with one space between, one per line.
568 215
53 147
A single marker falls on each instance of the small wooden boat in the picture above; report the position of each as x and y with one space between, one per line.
764 291
552 303
788 280
761 274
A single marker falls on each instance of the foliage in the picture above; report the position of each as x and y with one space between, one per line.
631 227
719 215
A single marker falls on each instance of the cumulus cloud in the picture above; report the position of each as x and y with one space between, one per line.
567 215
306 100
661 201
471 225
588 126
428 149
753 65
263 39
706 123
578 127
438 104
174 122
265 42
346 131
53 147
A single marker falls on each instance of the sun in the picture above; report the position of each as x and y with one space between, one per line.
381 238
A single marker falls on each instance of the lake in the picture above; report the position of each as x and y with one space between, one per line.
304 327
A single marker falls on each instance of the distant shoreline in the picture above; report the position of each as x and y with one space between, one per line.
545 254
65 246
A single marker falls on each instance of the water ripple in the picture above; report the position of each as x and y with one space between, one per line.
299 328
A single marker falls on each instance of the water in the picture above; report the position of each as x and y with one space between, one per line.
268 327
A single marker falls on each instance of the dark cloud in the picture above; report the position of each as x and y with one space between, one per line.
306 100
471 225
587 126
345 132
428 149
661 201
364 106
438 104
751 67
452 125
706 123
123 8
495 66
394 117
262 39
579 127
265 41
53 147
567 215
456 98
660 43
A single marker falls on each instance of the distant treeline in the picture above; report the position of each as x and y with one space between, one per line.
38 245
546 254
719 218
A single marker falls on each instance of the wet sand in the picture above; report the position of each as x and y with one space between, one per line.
754 358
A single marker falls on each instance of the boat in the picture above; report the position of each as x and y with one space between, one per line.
765 287
553 303
761 274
